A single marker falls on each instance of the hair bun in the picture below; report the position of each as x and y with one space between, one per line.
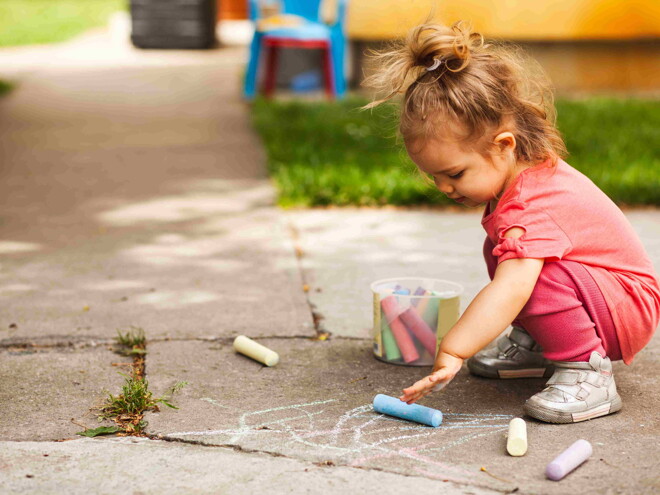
456 86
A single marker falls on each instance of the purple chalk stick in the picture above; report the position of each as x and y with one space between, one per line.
568 460
420 291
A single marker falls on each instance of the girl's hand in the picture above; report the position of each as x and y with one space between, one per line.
445 369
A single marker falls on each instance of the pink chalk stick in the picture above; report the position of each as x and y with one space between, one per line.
420 329
391 308
403 340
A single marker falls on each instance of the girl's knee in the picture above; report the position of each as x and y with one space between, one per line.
554 289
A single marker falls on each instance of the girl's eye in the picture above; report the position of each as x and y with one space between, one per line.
456 176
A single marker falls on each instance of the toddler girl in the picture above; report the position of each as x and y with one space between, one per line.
566 268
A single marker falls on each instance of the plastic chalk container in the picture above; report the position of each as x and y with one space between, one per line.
411 316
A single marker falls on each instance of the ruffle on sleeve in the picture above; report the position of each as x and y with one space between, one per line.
511 245
543 237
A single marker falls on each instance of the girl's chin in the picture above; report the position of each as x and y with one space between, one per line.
470 203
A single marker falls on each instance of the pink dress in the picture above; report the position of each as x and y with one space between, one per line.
566 217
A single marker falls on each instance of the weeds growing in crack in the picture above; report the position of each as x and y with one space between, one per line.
127 409
132 342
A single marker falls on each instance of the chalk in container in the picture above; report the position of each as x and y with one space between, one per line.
568 460
403 339
258 352
392 406
409 325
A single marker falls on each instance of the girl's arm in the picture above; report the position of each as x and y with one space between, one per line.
490 312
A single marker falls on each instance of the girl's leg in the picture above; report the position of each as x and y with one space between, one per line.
515 355
568 316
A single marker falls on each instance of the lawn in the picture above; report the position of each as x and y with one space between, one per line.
334 154
5 87
28 22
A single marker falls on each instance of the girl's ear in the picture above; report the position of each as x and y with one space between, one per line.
505 141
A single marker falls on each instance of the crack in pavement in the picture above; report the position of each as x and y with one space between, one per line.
321 464
75 343
321 332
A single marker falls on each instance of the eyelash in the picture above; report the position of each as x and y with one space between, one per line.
456 176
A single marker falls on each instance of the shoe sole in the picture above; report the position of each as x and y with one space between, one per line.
489 372
550 416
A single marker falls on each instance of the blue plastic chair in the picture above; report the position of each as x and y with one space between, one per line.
312 33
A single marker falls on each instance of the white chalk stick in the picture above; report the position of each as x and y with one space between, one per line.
568 460
516 442
256 351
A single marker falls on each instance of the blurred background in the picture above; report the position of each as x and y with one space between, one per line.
584 45
302 61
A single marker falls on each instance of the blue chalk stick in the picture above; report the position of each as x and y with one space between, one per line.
414 412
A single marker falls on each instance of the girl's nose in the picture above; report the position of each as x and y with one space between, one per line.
443 187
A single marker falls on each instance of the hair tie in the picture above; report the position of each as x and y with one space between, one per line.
436 63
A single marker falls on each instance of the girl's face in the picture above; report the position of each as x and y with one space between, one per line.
467 177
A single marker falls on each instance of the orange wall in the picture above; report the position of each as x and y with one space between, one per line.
232 9
511 19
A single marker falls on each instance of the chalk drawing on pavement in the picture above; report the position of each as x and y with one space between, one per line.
359 437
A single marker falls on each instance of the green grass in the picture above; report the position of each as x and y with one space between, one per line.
128 407
334 154
5 87
28 22
132 342
616 143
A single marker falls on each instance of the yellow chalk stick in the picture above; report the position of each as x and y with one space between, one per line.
516 444
256 351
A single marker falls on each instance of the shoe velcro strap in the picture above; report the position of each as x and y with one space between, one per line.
564 378
522 338
595 380
511 351
582 394
566 390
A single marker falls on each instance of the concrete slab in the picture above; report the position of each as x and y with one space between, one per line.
44 389
137 195
214 277
316 405
142 466
105 48
345 250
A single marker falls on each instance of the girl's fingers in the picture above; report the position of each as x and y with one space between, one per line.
431 383
408 396
438 376
411 395
419 390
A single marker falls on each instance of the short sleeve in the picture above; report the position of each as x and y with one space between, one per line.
543 238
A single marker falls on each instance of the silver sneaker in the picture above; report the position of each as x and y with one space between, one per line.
577 391
515 356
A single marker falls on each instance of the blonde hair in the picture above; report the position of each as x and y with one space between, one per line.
476 88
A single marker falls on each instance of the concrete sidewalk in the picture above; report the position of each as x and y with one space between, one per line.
135 194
